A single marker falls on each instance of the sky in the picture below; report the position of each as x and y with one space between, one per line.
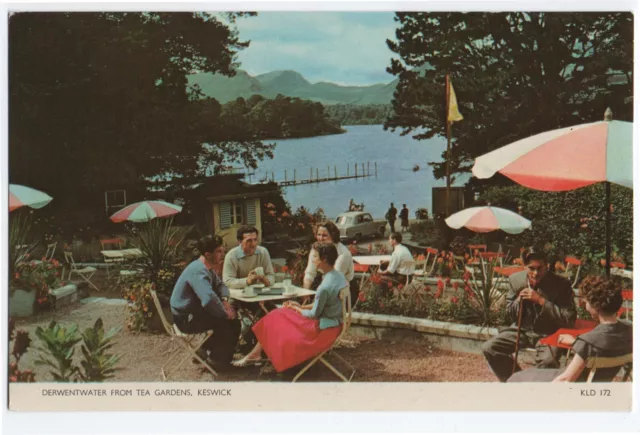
347 48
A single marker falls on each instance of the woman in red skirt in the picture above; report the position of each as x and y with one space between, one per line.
295 333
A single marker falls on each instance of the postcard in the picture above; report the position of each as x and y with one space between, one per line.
320 210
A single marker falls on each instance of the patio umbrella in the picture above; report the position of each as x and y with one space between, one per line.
145 211
21 195
486 219
567 159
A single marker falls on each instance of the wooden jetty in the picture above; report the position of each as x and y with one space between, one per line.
320 176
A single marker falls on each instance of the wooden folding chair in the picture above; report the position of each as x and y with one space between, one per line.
185 340
345 298
627 303
51 250
479 248
571 264
423 273
600 362
85 273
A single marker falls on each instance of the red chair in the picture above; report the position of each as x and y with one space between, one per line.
474 248
627 303
572 264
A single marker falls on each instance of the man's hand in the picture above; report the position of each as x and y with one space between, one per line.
567 339
252 277
531 295
265 280
231 312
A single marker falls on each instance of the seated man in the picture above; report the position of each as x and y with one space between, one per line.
247 263
394 268
200 302
547 306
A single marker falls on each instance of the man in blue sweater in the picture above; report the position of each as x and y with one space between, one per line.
200 302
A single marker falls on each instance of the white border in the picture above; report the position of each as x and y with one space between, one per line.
183 422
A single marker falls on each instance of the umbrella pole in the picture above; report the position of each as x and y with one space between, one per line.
607 189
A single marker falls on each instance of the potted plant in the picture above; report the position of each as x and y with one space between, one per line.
31 284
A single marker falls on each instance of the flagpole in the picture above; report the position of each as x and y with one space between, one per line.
448 130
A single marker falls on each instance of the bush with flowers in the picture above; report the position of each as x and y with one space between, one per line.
140 308
41 276
21 343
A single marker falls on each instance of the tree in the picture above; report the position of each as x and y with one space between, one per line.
515 75
98 100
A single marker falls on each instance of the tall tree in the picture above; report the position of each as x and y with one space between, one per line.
515 75
101 99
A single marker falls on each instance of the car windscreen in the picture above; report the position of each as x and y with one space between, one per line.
343 220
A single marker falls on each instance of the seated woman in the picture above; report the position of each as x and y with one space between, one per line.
295 333
609 339
328 232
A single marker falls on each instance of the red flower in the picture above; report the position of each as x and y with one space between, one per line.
440 260
456 285
454 300
18 275
381 305
400 286
362 297
285 269
466 276
447 280
440 285
427 289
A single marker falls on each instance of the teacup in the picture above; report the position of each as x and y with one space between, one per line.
259 271
250 291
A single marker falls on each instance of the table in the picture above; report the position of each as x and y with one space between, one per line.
122 253
236 294
373 263
552 340
622 272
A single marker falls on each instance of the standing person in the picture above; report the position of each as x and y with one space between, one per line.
394 268
247 263
404 218
200 302
610 338
328 232
391 217
548 306
295 333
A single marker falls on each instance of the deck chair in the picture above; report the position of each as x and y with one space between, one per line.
600 362
345 298
479 248
429 263
189 342
51 250
572 264
85 273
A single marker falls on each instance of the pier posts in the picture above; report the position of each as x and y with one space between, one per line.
355 165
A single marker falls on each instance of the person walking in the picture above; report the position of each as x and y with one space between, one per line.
391 215
404 218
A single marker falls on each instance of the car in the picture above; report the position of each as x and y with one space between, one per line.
356 225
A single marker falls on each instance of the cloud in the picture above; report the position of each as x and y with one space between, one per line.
345 47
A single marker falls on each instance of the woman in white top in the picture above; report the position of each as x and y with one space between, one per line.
328 232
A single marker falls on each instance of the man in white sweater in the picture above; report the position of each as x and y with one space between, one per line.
401 264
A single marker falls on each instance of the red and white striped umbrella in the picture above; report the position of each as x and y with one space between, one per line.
145 211
20 196
486 219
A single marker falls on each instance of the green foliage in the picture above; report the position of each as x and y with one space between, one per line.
515 74
281 117
20 248
57 346
570 223
161 244
122 78
98 365
427 233
351 114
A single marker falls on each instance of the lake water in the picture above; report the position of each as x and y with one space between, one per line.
394 154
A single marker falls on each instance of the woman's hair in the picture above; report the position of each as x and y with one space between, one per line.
331 228
326 252
208 244
604 295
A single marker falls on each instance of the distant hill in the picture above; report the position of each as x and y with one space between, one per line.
291 84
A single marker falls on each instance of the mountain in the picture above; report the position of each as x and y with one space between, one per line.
291 84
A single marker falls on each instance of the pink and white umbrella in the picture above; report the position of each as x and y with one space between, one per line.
20 196
145 211
486 219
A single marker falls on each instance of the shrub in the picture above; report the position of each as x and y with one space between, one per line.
98 365
21 344
426 233
137 292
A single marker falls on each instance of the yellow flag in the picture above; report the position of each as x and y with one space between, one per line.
453 115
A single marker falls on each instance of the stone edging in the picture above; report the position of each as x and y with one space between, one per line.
424 325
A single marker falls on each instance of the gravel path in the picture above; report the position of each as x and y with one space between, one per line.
375 361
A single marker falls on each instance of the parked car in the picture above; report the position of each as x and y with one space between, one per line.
358 225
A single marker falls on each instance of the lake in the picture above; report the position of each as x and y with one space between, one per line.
394 154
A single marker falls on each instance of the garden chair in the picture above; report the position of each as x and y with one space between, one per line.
108 244
572 265
85 273
627 303
600 362
474 248
432 254
189 342
51 250
345 297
